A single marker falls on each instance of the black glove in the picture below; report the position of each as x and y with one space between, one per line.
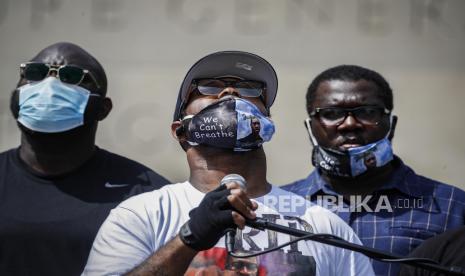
209 221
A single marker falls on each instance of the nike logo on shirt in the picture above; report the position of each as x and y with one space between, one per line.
109 185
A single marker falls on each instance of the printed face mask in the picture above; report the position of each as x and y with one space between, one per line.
52 106
352 162
231 123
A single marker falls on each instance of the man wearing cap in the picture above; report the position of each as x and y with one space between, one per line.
58 187
179 228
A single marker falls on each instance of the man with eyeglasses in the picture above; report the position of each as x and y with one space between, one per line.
179 228
351 126
58 187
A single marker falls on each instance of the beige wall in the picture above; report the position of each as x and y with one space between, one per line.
147 47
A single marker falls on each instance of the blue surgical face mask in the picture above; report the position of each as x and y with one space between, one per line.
353 162
52 106
231 123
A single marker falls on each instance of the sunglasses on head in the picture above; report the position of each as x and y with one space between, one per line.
37 71
245 88
334 116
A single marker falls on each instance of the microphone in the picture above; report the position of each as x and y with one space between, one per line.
231 233
234 178
258 223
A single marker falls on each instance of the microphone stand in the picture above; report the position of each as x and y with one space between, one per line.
263 224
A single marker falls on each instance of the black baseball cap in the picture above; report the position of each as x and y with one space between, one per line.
230 63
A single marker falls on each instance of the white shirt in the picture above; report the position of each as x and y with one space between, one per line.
141 225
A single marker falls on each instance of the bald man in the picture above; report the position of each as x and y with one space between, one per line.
58 187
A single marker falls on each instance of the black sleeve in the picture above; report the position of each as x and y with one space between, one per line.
447 249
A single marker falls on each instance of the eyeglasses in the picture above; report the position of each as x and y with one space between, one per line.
334 116
242 265
246 88
37 71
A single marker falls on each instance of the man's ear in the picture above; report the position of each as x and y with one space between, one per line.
107 106
14 103
308 127
393 127
178 131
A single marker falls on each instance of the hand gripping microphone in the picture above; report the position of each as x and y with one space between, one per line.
231 233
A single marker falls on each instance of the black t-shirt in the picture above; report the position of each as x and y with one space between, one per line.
448 249
47 225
